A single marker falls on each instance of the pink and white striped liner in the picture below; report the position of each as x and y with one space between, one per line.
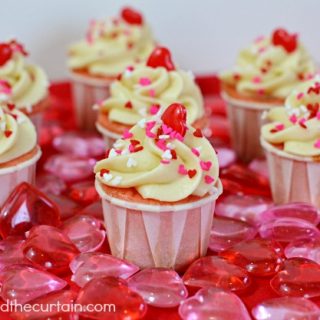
245 123
169 236
86 92
292 178
109 137
11 177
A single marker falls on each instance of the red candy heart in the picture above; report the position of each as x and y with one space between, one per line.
282 37
161 57
175 117
131 16
5 53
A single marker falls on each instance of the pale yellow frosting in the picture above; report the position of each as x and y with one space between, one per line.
297 124
266 69
165 168
110 47
17 134
146 89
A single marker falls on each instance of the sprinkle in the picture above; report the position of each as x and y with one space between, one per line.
208 179
103 171
164 136
150 124
262 49
127 134
182 170
154 109
198 133
131 163
116 181
143 112
261 92
317 144
165 161
8 133
192 173
167 155
112 153
142 123
161 145
259 39
293 118
144 81
11 106
129 45
176 135
195 151
128 105
302 123
118 144
256 79
170 145
279 127
173 154
300 95
150 134
205 165
107 177
166 129
318 115
152 93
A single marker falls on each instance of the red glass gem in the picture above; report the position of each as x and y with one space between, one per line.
84 193
175 117
50 248
306 248
131 16
282 37
68 208
27 207
259 257
93 210
5 53
161 57
48 183
216 272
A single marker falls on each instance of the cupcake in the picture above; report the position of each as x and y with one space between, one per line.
265 73
109 47
19 151
22 84
291 140
158 186
140 92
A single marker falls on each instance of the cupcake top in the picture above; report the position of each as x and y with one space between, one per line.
271 66
21 83
162 158
17 134
296 126
111 45
142 90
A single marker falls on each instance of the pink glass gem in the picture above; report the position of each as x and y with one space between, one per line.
213 303
259 257
88 266
299 278
85 232
48 132
49 248
285 308
216 272
11 252
299 210
70 168
68 208
159 287
242 207
226 232
306 248
48 183
80 144
27 207
288 229
259 166
226 157
124 303
64 298
93 210
24 283
84 193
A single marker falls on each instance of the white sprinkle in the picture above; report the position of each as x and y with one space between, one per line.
164 136
107 177
20 120
131 163
4 97
142 123
303 108
118 144
127 73
116 181
112 153
170 145
143 112
124 152
167 155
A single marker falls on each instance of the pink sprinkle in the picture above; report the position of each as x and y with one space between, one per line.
261 92
131 148
302 121
150 134
150 125
318 115
293 119
152 93
256 79
205 165
89 37
176 135
262 49
130 68
127 134
300 95
195 151
144 81
161 144
259 39
165 161
317 144
154 109
279 127
166 129
118 151
182 170
208 179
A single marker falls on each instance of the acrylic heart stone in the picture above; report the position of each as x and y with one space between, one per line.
11 252
48 183
49 248
88 266
226 232
259 257
5 53
213 303
216 272
285 308
67 207
161 57
122 302
306 248
84 193
226 157
131 16
93 210
85 232
299 278
24 283
27 207
283 38
175 117
159 287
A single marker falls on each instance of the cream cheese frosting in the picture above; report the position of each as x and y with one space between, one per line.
160 163
297 124
17 134
270 69
110 46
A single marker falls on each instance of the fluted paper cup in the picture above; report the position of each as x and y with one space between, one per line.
245 119
86 92
11 177
169 236
292 178
109 137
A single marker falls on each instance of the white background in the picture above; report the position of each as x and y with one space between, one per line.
204 35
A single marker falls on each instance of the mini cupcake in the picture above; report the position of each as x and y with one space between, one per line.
22 84
291 141
265 73
19 151
142 90
110 46
158 187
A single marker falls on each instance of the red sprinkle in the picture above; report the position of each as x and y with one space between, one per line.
103 171
198 133
8 133
192 173
128 105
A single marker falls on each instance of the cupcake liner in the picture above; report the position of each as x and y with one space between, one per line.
86 92
11 177
245 125
37 120
109 137
292 178
169 236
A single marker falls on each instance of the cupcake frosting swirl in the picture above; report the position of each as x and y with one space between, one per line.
110 46
161 164
267 69
297 124
142 90
17 134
